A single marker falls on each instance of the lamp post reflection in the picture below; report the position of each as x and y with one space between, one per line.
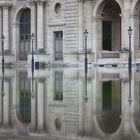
85 95
32 39
129 97
86 60
86 65
33 93
2 93
2 41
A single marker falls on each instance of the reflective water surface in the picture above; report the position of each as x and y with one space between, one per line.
69 104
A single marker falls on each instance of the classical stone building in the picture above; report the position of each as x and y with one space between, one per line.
59 25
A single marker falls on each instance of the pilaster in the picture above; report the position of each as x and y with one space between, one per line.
81 24
6 103
40 45
0 28
5 20
40 107
33 22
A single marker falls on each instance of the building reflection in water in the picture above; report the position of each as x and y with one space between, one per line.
111 106
24 113
51 103
58 85
137 103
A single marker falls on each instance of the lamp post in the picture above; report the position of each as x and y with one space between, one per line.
130 64
129 97
32 39
130 57
86 60
2 93
2 39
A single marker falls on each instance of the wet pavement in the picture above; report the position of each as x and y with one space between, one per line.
69 104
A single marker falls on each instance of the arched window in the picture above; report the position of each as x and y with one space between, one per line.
25 31
111 26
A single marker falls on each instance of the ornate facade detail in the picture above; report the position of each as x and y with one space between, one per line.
80 0
83 0
6 3
38 0
52 8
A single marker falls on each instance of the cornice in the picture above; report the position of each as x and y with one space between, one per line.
38 1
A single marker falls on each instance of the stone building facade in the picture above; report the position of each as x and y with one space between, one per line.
58 26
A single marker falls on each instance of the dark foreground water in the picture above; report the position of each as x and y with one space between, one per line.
69 104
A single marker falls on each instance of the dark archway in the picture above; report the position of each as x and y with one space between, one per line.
109 24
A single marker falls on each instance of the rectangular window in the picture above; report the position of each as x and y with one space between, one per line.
58 45
107 35
58 85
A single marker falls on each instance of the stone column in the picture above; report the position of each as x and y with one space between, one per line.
40 102
81 105
39 25
0 101
97 37
33 22
6 26
14 48
125 25
33 107
126 109
6 103
0 28
135 38
81 25
88 12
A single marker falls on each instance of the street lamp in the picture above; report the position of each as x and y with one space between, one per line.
129 64
32 39
130 57
86 60
2 40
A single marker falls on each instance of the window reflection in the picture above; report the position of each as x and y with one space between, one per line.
58 124
24 98
58 85
111 106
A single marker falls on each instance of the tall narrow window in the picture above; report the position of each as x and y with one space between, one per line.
58 45
25 31
107 35
58 85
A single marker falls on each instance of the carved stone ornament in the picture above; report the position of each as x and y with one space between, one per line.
56 8
6 3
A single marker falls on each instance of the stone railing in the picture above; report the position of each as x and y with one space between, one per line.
110 54
114 76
